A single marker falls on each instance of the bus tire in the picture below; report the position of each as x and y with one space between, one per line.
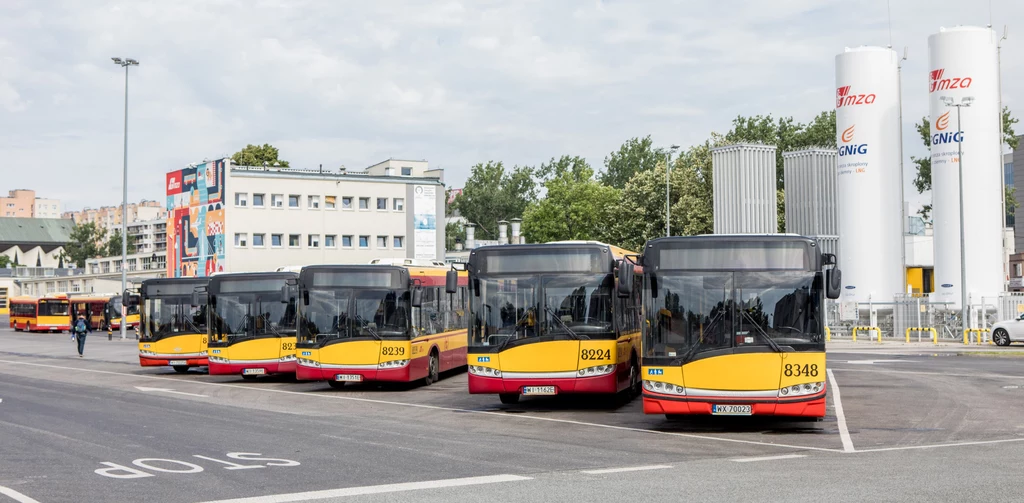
336 384
509 398
28 327
433 368
181 369
635 382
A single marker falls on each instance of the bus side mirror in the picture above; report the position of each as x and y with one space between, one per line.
417 297
212 299
828 259
833 283
305 297
451 282
195 299
125 299
626 272
284 295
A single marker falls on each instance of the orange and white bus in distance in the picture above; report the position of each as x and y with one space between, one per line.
173 323
360 323
734 325
93 308
547 320
115 311
50 313
252 323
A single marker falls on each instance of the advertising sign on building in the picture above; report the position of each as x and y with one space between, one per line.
195 221
425 221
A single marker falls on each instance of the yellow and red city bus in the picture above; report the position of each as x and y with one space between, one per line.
49 313
92 307
360 323
734 325
114 311
173 323
252 323
546 320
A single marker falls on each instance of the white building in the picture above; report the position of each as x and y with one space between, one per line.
150 236
258 219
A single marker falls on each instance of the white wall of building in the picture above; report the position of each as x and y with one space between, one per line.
47 208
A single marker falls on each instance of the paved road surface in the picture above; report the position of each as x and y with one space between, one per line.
922 426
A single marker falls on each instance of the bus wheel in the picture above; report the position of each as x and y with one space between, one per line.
635 383
509 398
28 327
181 369
336 384
433 368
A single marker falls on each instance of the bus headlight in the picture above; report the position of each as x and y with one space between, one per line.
664 387
811 388
599 370
308 363
202 353
146 353
484 371
393 364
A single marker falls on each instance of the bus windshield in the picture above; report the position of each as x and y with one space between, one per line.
172 315
115 306
54 308
690 313
240 315
345 313
575 306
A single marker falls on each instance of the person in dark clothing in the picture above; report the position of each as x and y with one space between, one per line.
81 329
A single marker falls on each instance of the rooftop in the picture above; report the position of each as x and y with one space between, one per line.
34 231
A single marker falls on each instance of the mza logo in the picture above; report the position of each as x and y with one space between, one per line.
655 372
845 98
938 83
483 359
851 149
947 137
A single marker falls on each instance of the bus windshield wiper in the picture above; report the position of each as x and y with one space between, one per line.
692 350
553 314
366 325
515 330
774 345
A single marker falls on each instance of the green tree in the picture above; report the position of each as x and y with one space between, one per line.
5 261
575 206
113 246
255 155
84 243
491 194
634 156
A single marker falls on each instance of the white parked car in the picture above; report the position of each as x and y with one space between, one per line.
1005 332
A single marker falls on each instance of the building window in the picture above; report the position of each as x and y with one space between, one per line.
399 204
277 200
364 203
364 241
62 286
399 241
313 202
76 287
346 241
293 200
257 240
406 171
1018 270
382 203
346 203
241 198
275 240
331 241
241 239
293 240
49 287
330 202
132 264
382 242
257 200
313 240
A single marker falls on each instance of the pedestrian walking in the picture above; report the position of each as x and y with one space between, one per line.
80 330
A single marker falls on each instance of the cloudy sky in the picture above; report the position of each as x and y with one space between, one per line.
352 83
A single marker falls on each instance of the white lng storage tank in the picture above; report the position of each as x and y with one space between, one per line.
964 65
868 173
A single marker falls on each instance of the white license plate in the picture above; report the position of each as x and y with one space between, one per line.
254 372
178 362
348 377
731 410
539 390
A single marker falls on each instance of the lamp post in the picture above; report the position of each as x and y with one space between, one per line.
668 202
965 102
126 62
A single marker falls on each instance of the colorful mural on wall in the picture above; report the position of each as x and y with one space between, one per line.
195 220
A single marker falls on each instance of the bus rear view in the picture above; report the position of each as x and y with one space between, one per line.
735 326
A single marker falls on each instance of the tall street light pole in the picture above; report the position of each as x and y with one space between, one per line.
668 201
965 102
126 62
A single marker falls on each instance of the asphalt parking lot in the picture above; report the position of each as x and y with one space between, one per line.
904 423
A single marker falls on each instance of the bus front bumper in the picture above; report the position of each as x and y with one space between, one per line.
499 385
252 367
806 406
305 371
51 328
172 360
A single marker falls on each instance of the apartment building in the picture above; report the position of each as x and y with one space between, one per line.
23 203
109 217
226 218
149 236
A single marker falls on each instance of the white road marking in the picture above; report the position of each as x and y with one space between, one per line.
937 446
916 372
432 407
872 362
165 390
844 432
625 469
381 489
16 496
769 458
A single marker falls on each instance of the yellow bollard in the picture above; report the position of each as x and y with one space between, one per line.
828 334
908 335
967 338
